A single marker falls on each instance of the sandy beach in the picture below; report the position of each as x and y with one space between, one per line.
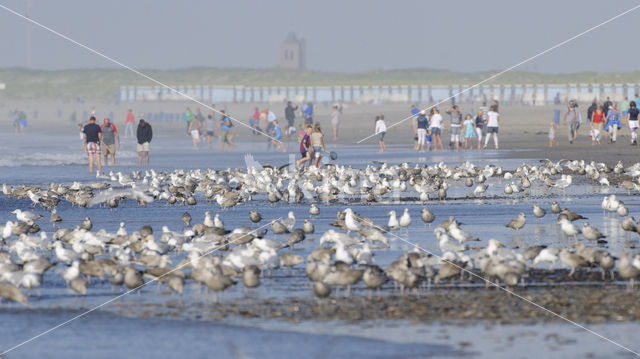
522 128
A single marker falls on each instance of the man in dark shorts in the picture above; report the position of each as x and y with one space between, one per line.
91 146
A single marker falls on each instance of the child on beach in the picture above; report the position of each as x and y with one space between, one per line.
429 137
381 130
277 134
469 131
305 147
552 134
317 142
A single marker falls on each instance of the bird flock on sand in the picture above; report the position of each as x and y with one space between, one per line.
211 255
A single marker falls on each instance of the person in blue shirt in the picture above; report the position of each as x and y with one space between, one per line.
277 136
224 126
308 113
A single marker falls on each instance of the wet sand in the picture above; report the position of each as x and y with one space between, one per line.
583 298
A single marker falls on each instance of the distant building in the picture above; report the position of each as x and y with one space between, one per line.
293 53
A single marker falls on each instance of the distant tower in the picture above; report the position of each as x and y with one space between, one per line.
293 53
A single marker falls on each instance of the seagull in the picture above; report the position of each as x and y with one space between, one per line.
307 227
121 231
186 219
572 216
427 216
255 216
393 221
538 211
55 217
26 216
568 228
555 207
86 224
572 260
547 255
405 219
563 182
290 221
460 235
217 222
314 210
517 223
208 221
350 221
591 233
445 244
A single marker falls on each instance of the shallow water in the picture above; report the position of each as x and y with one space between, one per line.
39 159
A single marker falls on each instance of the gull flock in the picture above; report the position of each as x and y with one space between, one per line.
211 255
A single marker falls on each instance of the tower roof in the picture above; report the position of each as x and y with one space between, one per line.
291 39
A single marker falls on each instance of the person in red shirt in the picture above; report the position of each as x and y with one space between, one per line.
597 122
129 122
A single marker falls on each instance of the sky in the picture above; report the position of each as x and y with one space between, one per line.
341 35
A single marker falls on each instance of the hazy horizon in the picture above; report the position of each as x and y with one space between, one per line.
351 37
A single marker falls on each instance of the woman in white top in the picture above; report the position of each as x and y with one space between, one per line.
493 117
381 130
435 125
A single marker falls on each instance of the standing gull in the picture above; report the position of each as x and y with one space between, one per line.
517 223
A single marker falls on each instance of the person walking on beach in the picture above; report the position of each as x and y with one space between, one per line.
435 126
571 119
23 121
255 120
613 123
188 118
224 126
91 144
632 122
305 147
128 124
317 142
606 106
456 122
594 105
493 120
414 123
109 136
308 113
290 116
144 134
480 122
335 121
469 131
277 136
422 124
381 130
194 130
597 124
624 107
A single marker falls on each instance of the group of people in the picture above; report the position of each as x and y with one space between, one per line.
98 139
311 145
266 121
605 119
428 128
216 123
